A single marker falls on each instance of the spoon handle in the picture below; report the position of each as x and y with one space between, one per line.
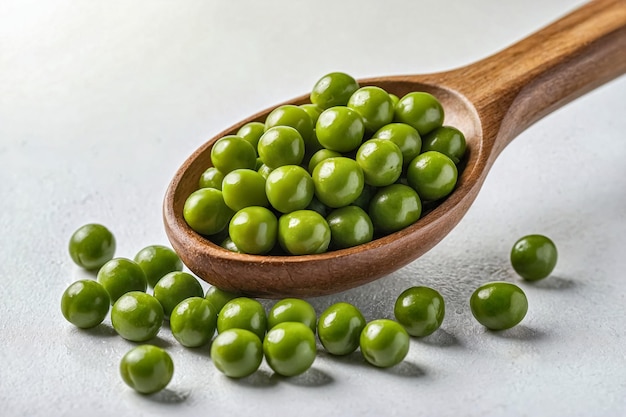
526 81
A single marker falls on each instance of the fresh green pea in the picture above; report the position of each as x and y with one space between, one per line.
340 129
193 322
206 212
121 275
406 137
499 305
174 288
313 110
384 343
290 348
333 89
349 226
433 175
289 188
281 145
254 230
244 188
448 140
421 110
137 316
251 132
338 181
156 261
534 257
91 246
303 232
243 313
292 309
381 162
85 304
394 207
292 116
374 105
264 170
233 152
319 156
211 178
339 328
420 310
218 297
237 353
147 369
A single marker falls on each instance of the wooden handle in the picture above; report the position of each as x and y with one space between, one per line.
519 85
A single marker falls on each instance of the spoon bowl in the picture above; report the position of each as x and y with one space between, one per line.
490 101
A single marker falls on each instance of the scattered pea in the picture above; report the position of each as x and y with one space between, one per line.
534 257
339 328
137 316
292 309
174 288
121 275
91 246
384 343
290 348
237 353
147 369
156 261
499 305
420 310
85 304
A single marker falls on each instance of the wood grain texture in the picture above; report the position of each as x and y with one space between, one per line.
491 101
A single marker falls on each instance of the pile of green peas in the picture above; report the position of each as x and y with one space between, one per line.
354 164
246 334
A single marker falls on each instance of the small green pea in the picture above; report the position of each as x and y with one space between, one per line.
237 353
156 261
406 137
333 89
121 275
281 145
85 304
374 105
292 116
340 129
91 246
244 188
420 310
534 257
174 288
448 140
233 152
251 133
254 230
211 178
421 110
243 313
433 175
289 188
147 369
137 316
349 226
303 232
394 207
218 297
381 162
499 305
292 309
338 181
193 322
339 328
384 343
290 348
206 212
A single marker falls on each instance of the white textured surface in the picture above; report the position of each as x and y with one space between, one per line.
100 102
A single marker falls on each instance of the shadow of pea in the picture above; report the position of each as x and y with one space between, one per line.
519 332
440 338
312 378
554 283
259 379
167 396
406 369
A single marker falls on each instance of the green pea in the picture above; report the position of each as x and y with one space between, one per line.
91 246
292 309
303 232
85 304
292 116
313 110
206 212
499 305
254 230
374 105
147 369
420 110
218 297
228 244
319 156
137 316
349 226
243 313
251 132
193 322
448 140
290 348
211 178
156 261
394 207
121 275
406 137
340 129
333 89
363 200
264 170
384 343
420 310
338 181
394 99
381 162
534 257
244 188
174 288
339 328
433 175
233 152
237 353
281 145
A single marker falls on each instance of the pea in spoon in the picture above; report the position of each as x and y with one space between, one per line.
491 101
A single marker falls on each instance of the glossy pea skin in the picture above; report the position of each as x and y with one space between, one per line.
243 313
243 188
303 232
290 348
281 145
421 110
405 136
211 178
384 343
340 129
339 328
499 305
289 188
137 316
264 170
174 288
147 369
319 156
338 181
292 309
206 212
237 353
292 116
91 246
349 226
254 230
381 162
219 297
121 275
156 261
420 310
193 322
85 304
394 207
233 152
228 244
333 89
433 175
448 140
313 110
534 257
374 105
251 133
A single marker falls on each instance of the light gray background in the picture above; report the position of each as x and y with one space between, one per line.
100 102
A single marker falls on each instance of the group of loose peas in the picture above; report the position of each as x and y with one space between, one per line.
285 335
354 164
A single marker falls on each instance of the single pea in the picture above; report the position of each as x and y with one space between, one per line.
319 156
244 188
381 162
338 181
91 246
174 288
281 145
290 348
406 137
384 343
147 369
85 304
137 316
313 110
339 328
211 178
433 175
394 207
264 170
289 188
254 230
121 275
340 129
394 99
206 212
292 309
499 305
251 133
420 310
233 152
156 261
243 313
303 232
219 297
292 116
237 353
374 105
349 226
421 110
448 140
534 257
333 89
193 322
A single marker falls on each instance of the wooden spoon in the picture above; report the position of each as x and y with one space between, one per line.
491 101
